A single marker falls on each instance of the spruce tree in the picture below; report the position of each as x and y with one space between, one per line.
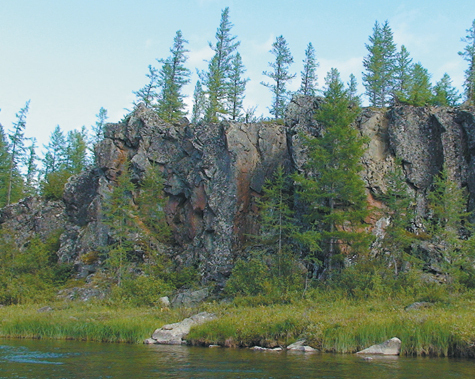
171 78
151 204
278 227
308 85
379 65
76 159
216 79
448 205
400 211
237 87
199 103
402 75
5 161
468 54
31 181
280 75
148 94
355 99
331 186
420 91
17 151
121 217
55 152
445 94
98 127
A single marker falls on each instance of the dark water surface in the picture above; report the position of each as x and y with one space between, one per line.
71 359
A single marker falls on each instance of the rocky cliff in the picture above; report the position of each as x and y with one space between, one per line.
214 173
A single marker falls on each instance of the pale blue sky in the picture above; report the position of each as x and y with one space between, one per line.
72 57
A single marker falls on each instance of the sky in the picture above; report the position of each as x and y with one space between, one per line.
72 57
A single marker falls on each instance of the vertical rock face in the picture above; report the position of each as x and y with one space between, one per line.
214 172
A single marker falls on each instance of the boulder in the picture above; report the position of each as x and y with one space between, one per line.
189 299
389 347
418 305
174 334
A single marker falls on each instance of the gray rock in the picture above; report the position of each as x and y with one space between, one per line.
174 334
296 344
418 305
189 299
389 347
45 309
164 301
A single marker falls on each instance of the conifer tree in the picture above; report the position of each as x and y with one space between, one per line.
280 75
98 127
445 94
420 91
31 169
308 86
448 204
379 65
120 215
171 78
216 79
237 87
76 159
355 99
55 155
148 94
278 226
151 204
199 103
277 221
331 186
17 141
468 54
5 161
402 75
400 211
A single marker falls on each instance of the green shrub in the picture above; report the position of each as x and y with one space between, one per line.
248 278
52 188
141 290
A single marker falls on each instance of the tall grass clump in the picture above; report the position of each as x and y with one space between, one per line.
85 322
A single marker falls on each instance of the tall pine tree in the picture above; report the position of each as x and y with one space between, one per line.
445 94
280 75
199 103
148 94
216 79
171 78
402 75
468 54
237 87
331 186
17 152
308 85
379 65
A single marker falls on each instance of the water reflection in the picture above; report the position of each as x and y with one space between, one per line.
70 359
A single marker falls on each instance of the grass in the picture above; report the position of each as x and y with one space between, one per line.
84 321
346 326
329 322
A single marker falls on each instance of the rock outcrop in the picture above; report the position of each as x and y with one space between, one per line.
389 347
174 334
215 172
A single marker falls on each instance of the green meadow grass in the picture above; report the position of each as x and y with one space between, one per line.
346 326
86 322
330 323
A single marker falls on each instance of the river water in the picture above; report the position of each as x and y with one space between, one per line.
71 359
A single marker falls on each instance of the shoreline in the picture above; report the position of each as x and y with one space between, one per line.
336 326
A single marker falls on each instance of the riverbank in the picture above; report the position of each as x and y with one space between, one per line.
84 321
329 324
